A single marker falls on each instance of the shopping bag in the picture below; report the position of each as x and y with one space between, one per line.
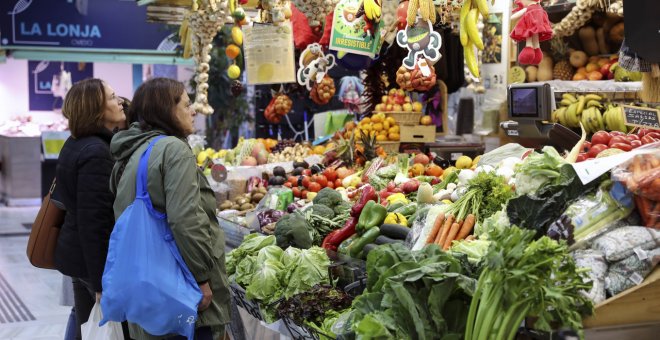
145 280
91 330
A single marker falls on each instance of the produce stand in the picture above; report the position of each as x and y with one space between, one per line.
637 305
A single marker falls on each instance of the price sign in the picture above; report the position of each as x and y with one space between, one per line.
645 117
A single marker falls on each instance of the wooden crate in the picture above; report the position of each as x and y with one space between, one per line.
417 133
639 304
405 117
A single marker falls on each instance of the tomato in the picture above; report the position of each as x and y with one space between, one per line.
306 181
635 144
654 134
391 186
330 174
632 137
616 133
330 185
303 194
596 149
288 184
618 139
581 157
648 140
314 187
293 180
296 192
586 146
338 183
621 146
601 137
642 132
322 180
307 172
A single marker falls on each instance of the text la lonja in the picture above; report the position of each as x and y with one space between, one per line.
61 30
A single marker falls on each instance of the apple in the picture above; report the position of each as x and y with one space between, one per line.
379 107
407 107
389 107
384 99
397 108
605 70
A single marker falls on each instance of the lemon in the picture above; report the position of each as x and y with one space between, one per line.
234 72
464 162
201 157
475 161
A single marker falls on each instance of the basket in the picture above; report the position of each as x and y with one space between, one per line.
252 307
389 147
301 332
405 118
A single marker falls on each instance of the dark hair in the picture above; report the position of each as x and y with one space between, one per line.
153 106
83 107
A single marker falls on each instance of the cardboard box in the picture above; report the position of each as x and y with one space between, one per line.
417 133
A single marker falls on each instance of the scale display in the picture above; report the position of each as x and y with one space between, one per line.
524 102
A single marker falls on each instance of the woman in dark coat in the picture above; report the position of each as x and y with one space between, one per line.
83 176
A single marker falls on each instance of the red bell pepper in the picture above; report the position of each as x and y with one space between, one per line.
335 238
368 194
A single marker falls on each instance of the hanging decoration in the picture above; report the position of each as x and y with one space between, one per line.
313 65
199 27
352 33
421 41
579 15
274 11
469 33
278 107
350 93
370 11
316 10
532 28
421 78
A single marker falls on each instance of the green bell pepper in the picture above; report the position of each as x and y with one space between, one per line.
371 216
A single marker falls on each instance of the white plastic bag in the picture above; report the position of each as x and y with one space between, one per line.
90 330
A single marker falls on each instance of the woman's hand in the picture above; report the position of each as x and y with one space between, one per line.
207 296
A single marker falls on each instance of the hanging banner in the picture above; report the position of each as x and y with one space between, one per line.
351 34
49 81
269 54
87 24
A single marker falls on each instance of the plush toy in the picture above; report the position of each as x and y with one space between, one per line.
532 28
350 90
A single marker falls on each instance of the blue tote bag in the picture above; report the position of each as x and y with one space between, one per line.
145 280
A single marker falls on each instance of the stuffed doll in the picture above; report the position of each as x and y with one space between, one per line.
532 28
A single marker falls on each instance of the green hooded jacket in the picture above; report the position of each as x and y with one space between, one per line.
178 188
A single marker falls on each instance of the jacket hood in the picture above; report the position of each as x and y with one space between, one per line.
124 143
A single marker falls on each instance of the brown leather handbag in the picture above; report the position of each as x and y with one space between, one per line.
45 231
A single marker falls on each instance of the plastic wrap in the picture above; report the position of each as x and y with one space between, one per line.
277 199
595 261
621 243
631 271
422 227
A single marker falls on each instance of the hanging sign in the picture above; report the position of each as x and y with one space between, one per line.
49 81
269 54
353 34
87 24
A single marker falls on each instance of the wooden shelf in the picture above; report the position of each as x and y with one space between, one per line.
637 305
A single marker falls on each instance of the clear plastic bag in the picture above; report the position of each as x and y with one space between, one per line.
641 174
595 261
91 330
631 271
621 243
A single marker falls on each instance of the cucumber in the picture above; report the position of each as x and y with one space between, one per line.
395 206
394 231
407 210
386 240
368 237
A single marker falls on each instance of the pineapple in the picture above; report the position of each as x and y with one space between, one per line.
369 146
562 69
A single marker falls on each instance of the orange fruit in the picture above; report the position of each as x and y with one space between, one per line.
592 67
394 136
232 51
595 75
579 76
426 120
381 138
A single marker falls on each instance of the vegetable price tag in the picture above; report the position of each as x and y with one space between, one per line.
512 132
636 278
644 117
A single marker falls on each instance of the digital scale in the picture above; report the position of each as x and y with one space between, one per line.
530 108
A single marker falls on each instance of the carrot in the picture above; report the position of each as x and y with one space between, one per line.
436 228
452 235
466 229
655 162
440 240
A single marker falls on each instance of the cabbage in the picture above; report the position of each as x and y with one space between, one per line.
537 170
306 271
269 253
265 284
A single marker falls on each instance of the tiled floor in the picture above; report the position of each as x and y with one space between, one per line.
39 290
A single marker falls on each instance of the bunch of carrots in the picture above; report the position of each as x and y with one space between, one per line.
447 229
644 180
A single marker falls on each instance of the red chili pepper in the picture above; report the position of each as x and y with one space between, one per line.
335 238
368 194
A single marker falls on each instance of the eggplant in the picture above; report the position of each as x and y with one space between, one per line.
317 168
394 231
301 164
279 171
441 162
276 180
297 171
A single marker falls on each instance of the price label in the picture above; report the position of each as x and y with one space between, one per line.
644 117
512 132
456 155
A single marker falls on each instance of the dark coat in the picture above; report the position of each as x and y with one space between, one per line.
83 186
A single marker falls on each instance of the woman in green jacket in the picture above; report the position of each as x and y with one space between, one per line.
178 188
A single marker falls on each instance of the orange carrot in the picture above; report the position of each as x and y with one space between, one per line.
466 229
436 228
440 240
452 235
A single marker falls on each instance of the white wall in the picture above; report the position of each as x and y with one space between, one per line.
119 76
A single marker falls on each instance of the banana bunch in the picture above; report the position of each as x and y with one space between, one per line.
613 118
426 9
469 34
372 10
583 109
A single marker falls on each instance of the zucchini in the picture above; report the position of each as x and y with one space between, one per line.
407 210
386 240
345 245
394 231
368 237
395 206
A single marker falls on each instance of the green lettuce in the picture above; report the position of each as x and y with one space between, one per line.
307 270
270 253
251 244
538 170
265 284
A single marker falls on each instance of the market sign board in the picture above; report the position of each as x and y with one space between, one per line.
269 54
46 86
80 24
350 34
644 117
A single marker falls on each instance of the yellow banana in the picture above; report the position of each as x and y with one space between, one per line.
471 59
599 118
372 10
483 8
463 22
472 31
592 96
581 103
607 118
413 5
561 116
621 124
566 102
571 116
594 103
584 119
431 10
557 113
569 97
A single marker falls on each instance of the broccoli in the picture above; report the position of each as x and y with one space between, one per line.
342 208
292 230
328 197
322 210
